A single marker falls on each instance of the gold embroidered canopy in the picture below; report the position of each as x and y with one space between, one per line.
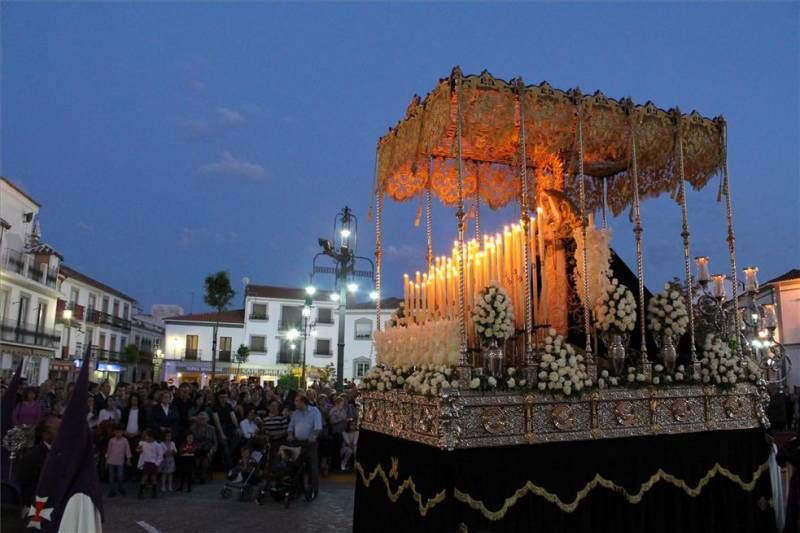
421 150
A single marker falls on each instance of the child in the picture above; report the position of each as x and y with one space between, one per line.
236 474
167 467
186 462
118 453
151 454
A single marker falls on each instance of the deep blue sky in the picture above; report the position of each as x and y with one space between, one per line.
166 141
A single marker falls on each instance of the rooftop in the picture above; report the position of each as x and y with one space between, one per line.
786 276
69 272
234 316
19 190
284 293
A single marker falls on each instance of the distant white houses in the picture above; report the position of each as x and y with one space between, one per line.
266 322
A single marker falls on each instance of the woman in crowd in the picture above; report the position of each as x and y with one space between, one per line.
226 423
337 418
244 405
276 424
205 439
349 443
29 411
164 416
199 406
109 414
91 418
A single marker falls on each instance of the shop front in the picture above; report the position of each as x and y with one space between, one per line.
181 371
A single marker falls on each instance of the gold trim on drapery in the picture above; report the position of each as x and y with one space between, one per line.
600 481
408 483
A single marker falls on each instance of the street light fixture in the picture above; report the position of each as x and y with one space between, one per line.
344 257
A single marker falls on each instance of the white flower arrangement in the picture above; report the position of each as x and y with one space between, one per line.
632 378
493 314
718 365
381 378
510 381
433 343
615 309
667 314
427 380
561 369
606 380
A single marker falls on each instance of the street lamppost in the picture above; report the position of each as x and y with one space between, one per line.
158 358
308 328
342 253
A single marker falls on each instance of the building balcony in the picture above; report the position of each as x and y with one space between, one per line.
99 317
323 353
78 311
192 354
29 334
23 264
224 356
257 316
106 355
14 261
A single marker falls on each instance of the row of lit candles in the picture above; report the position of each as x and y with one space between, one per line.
433 295
718 290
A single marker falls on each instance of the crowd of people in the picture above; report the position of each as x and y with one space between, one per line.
168 438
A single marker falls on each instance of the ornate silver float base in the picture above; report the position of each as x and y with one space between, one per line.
472 420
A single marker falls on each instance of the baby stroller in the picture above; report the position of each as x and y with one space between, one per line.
286 479
243 478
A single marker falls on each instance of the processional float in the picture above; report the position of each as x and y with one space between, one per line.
462 368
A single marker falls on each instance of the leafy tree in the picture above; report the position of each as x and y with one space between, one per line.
242 353
218 295
289 381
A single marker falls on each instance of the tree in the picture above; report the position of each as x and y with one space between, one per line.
218 295
242 353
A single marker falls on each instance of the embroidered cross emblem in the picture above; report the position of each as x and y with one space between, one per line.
38 513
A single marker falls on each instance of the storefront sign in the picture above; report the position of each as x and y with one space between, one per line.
108 367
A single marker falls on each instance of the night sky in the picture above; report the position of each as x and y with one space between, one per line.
167 141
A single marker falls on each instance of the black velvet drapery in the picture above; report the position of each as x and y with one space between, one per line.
493 475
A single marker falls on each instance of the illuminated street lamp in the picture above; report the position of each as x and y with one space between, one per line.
344 258
158 359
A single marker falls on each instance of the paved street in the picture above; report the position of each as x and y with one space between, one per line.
204 510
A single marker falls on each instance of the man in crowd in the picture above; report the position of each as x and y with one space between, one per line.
100 399
182 403
304 428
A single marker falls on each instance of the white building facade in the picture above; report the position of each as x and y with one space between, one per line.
28 287
271 324
91 312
